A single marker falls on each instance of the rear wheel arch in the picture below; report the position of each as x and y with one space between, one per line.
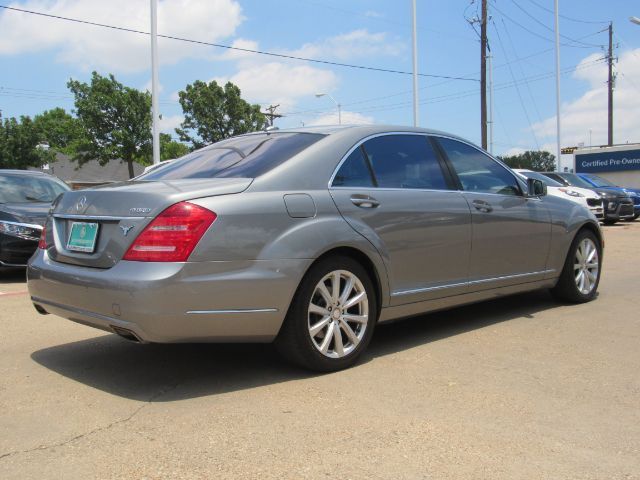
360 257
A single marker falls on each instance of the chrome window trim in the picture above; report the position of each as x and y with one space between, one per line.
473 282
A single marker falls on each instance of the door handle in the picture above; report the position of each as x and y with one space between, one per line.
482 206
364 201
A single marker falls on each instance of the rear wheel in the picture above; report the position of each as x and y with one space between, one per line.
580 275
332 316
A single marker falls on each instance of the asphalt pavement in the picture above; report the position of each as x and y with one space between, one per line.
515 388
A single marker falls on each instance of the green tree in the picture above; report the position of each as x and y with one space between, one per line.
115 122
19 144
59 130
538 161
213 113
170 149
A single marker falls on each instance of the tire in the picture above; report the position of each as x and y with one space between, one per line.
580 275
320 348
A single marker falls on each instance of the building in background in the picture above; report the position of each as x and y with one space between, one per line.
90 174
620 164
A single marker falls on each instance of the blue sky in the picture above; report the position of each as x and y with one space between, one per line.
38 55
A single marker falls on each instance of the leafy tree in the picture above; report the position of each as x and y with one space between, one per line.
115 122
170 149
213 113
59 130
538 161
19 140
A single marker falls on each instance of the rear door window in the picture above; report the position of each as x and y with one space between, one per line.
241 157
354 172
405 161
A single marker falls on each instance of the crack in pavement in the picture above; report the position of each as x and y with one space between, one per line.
95 430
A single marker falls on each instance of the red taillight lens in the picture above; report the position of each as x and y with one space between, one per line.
172 235
42 243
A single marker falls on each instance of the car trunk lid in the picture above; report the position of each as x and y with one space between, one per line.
116 214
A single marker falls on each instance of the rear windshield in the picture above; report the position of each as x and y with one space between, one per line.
576 181
241 157
29 188
599 181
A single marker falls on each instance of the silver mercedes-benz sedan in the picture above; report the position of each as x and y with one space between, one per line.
308 238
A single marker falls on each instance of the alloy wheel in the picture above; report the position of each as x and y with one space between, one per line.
338 314
585 266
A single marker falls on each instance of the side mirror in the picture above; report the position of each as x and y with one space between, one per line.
536 188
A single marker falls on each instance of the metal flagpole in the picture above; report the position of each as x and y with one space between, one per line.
558 147
154 81
415 67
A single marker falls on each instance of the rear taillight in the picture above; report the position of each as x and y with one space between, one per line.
42 243
172 235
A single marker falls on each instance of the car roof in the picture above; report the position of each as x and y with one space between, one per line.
9 171
369 129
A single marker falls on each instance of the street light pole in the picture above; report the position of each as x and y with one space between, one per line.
558 147
415 66
154 82
318 95
635 20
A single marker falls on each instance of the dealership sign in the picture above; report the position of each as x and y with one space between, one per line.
608 161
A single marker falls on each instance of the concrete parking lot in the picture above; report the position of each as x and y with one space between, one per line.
517 388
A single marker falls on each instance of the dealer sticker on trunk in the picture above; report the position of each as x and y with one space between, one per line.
82 237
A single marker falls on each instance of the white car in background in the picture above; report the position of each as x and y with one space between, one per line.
583 196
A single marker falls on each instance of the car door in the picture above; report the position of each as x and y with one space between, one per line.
396 191
511 232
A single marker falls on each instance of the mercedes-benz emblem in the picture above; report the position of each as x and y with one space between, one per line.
125 229
82 203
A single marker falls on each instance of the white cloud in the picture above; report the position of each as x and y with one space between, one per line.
266 80
589 112
168 124
281 83
348 118
373 14
89 47
513 151
355 44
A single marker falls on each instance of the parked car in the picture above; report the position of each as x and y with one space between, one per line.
617 205
308 238
600 182
25 199
583 196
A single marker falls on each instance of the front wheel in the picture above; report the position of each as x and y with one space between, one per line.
331 318
580 275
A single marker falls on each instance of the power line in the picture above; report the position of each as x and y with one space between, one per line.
567 17
229 47
535 34
546 27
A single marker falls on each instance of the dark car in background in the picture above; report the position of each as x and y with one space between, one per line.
600 182
617 203
25 198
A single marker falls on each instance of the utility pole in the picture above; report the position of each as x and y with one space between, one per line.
490 121
271 113
483 75
610 84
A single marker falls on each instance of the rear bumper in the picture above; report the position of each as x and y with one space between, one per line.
171 302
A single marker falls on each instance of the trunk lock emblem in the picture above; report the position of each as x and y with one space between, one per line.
81 204
125 229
